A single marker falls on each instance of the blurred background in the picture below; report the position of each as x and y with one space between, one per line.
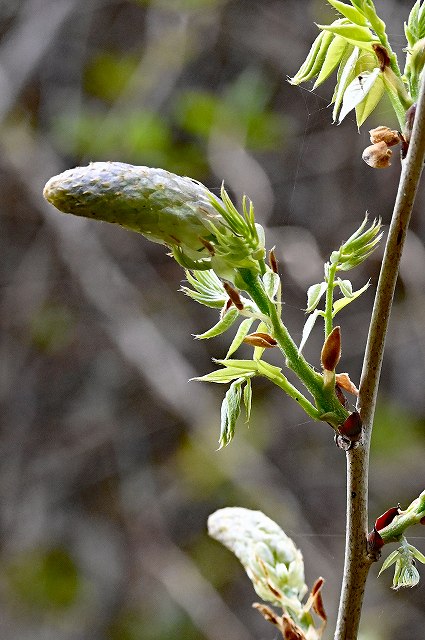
108 460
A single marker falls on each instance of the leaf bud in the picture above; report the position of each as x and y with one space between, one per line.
377 155
259 339
273 261
384 134
331 352
352 427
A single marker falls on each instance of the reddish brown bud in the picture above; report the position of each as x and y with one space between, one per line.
386 518
260 339
391 137
374 543
331 352
377 155
233 295
382 55
422 520
352 427
273 261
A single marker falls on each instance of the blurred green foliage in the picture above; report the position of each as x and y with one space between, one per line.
177 138
52 328
46 580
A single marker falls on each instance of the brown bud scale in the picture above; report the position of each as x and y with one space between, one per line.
233 295
377 155
391 137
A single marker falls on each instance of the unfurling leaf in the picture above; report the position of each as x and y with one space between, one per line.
308 327
358 90
242 331
314 295
222 325
230 410
271 283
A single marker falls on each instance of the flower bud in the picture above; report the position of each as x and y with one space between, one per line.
271 560
377 155
384 134
202 231
166 208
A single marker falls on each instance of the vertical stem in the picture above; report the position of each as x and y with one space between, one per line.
329 299
357 561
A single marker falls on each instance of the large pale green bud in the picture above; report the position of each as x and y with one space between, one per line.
271 560
202 231
162 206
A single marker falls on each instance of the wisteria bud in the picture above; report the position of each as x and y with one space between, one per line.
271 560
202 231
162 206
378 155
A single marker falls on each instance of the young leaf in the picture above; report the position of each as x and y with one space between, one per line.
357 91
342 302
247 398
311 67
352 13
333 57
230 410
346 287
346 73
308 327
222 325
314 294
389 561
361 37
224 376
242 331
271 283
370 102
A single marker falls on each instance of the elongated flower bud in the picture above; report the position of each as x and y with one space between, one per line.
162 206
271 560
202 231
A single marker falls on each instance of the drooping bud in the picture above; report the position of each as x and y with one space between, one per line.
391 137
202 231
377 155
164 207
271 560
331 351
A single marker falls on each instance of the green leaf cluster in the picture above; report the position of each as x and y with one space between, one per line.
406 573
357 46
414 30
352 253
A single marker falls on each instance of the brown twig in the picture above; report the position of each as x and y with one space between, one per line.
357 559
